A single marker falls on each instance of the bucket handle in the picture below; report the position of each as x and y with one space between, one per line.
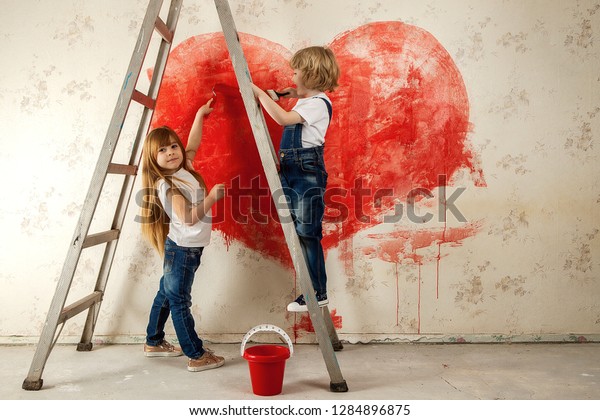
267 328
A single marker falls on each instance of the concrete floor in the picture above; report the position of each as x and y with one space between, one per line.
373 372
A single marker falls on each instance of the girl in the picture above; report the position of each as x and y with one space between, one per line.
302 168
176 219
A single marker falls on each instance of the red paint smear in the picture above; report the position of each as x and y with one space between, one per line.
400 121
401 245
304 324
228 152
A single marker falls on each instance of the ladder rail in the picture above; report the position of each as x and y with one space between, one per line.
33 380
267 155
127 189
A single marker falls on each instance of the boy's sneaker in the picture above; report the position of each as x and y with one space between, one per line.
163 349
209 360
299 305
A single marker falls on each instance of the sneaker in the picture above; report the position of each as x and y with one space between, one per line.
209 360
163 349
299 305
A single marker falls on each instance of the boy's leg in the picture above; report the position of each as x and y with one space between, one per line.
309 229
304 186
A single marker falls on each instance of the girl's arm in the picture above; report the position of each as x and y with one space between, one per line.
190 215
196 131
279 115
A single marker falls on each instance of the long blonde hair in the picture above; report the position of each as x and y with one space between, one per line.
154 219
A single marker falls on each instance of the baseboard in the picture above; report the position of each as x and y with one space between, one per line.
309 338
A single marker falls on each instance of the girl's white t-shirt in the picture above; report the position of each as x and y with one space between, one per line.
197 235
316 119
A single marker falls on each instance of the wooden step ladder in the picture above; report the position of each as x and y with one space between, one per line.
58 314
320 317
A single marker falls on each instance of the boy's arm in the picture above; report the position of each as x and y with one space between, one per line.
279 115
196 131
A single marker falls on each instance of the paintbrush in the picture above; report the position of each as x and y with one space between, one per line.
276 95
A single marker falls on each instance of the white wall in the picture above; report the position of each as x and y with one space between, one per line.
528 271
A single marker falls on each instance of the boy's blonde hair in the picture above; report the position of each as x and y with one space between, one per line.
154 219
319 68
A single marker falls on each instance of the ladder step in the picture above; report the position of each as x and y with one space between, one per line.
145 100
118 168
81 305
101 238
163 30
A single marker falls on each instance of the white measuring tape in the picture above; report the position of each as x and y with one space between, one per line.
267 328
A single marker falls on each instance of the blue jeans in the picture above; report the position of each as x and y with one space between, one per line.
304 178
174 297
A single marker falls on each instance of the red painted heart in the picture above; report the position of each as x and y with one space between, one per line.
400 122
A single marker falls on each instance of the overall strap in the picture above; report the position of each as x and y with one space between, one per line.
329 109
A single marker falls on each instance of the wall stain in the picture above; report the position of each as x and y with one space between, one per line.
74 31
471 291
515 163
510 284
517 41
512 225
579 260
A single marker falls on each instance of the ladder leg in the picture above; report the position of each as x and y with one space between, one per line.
337 382
34 380
267 155
335 341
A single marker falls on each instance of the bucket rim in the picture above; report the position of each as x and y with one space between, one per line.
281 355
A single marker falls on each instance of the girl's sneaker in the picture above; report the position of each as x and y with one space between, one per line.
299 305
163 349
208 360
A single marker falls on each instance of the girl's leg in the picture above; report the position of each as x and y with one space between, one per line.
159 313
180 266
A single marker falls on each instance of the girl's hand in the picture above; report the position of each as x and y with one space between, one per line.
205 109
217 192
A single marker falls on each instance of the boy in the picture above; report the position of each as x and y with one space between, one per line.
302 167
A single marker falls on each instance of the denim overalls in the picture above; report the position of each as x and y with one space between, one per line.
304 178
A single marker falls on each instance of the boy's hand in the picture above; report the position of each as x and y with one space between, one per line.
256 90
205 109
217 192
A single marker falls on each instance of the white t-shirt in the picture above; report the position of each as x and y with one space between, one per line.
197 235
316 119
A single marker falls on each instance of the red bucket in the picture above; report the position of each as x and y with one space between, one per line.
267 366
267 362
